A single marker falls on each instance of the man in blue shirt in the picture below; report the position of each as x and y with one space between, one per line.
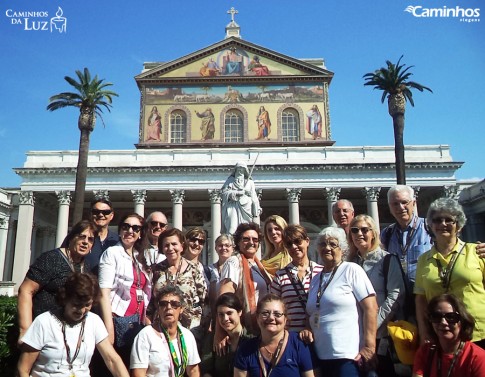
101 214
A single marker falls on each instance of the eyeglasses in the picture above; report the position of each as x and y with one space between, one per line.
249 239
105 212
157 223
85 237
127 227
173 303
403 203
356 229
446 220
451 318
201 241
265 314
224 245
296 242
332 245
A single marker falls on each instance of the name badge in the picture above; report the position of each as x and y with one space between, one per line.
139 295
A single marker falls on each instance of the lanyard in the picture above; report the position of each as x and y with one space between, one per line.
455 357
321 290
178 366
274 359
69 359
75 267
299 286
404 248
445 273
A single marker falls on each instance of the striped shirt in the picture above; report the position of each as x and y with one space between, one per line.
282 286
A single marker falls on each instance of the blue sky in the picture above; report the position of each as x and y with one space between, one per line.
114 38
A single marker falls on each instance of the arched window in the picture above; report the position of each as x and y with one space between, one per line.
290 123
233 127
178 127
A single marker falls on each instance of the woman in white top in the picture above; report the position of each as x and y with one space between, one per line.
165 348
61 342
125 284
342 310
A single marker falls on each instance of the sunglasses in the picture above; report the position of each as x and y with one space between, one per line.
85 237
127 227
105 212
201 241
157 223
249 239
356 230
296 242
452 318
173 303
332 245
440 220
265 314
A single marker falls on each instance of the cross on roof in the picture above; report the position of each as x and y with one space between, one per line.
232 12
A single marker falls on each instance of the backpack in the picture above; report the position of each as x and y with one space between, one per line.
409 304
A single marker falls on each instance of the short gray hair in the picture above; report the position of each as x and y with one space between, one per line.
400 188
348 202
338 234
447 205
225 237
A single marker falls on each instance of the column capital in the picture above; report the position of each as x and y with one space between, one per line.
4 222
26 198
452 191
178 196
259 193
139 196
293 195
215 196
63 197
416 190
101 194
331 193
371 193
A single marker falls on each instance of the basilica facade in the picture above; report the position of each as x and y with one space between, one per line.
230 102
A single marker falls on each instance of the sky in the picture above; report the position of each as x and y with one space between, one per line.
113 39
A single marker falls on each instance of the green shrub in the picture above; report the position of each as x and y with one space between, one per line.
8 334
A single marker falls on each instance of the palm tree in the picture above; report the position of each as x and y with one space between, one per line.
393 81
91 97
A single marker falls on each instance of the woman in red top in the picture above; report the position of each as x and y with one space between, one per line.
450 353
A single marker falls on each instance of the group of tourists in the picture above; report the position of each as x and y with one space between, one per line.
140 302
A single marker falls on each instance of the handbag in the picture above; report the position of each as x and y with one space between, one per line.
126 329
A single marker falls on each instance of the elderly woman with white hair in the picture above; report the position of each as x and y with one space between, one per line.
451 266
343 310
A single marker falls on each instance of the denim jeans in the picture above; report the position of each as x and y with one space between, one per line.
339 368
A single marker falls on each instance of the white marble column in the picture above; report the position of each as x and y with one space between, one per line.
3 243
178 197
64 200
371 195
293 196
332 194
139 197
24 237
215 198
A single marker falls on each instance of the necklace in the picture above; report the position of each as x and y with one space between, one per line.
274 357
70 359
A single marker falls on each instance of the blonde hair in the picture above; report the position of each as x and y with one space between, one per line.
268 246
372 224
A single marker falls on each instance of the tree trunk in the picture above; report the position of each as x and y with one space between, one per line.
85 125
397 106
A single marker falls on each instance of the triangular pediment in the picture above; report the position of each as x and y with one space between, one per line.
234 58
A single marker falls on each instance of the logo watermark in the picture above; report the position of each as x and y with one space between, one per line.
38 20
462 14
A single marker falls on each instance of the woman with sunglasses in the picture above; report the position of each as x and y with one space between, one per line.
165 348
61 341
275 252
450 352
342 311
178 271
49 272
244 274
451 266
292 282
390 290
276 351
125 285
